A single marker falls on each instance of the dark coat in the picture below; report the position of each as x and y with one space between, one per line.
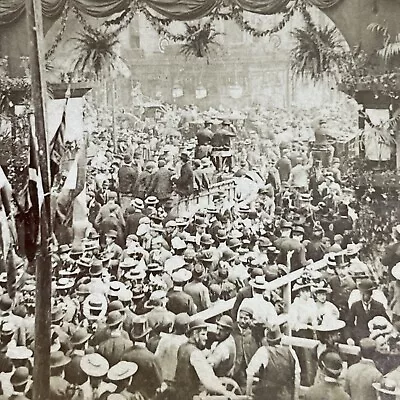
58 388
127 176
143 184
180 302
359 380
148 378
161 185
246 346
392 255
114 348
73 371
358 318
132 223
326 391
184 184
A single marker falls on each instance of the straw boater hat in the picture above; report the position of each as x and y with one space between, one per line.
396 271
259 282
122 370
94 365
301 284
388 387
330 325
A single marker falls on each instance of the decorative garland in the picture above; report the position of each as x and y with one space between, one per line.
123 21
60 34
237 16
159 25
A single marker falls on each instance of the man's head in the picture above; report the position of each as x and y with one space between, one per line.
367 348
245 317
197 333
224 328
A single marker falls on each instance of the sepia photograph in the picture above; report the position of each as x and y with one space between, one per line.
199 200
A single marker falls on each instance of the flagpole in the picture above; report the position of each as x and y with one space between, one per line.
41 373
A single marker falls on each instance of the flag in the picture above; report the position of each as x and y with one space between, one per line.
34 199
57 146
71 201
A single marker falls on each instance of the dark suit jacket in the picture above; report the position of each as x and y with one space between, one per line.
114 348
184 184
132 223
358 319
180 302
161 185
148 377
246 346
326 391
127 176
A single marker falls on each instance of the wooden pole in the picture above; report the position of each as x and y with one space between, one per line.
41 373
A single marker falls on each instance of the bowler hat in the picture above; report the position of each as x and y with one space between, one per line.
196 324
114 318
80 336
226 322
58 359
206 239
97 268
366 285
139 328
274 335
20 377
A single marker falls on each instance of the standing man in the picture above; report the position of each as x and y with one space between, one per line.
127 177
223 352
361 376
192 369
362 311
184 184
278 369
246 345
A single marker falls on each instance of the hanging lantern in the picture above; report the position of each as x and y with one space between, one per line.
177 92
235 91
4 66
201 92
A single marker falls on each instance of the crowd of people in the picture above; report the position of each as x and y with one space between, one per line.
128 301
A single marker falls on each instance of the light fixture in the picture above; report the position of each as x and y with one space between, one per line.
201 92
235 91
177 91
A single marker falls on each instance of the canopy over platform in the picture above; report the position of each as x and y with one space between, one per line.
351 17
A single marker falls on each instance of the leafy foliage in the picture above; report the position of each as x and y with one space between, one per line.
318 52
200 41
390 49
97 52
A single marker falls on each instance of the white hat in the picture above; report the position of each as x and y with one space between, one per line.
259 282
396 271
182 275
330 324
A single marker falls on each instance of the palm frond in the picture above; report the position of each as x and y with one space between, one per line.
317 52
389 51
96 52
200 42
375 27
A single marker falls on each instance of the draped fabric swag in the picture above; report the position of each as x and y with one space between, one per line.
11 10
